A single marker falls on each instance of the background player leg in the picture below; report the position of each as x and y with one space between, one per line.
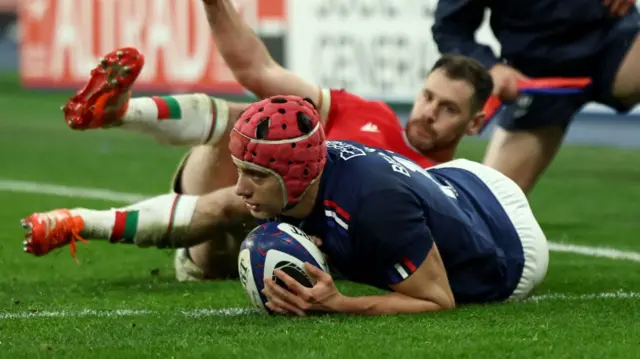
626 86
530 134
525 146
523 155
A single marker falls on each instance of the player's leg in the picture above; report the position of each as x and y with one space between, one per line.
529 134
105 101
204 170
516 206
165 221
523 155
626 87
183 119
616 69
525 145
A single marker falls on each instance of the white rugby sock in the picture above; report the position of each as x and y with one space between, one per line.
161 221
190 119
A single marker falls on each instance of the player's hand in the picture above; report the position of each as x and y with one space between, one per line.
298 300
505 81
316 240
618 7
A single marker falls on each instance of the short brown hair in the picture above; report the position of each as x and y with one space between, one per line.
464 68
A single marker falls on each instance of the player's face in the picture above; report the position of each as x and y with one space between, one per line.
260 190
441 114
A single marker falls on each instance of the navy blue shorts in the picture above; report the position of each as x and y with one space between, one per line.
534 111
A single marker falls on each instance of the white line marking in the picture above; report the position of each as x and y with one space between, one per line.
234 312
224 312
108 195
585 297
197 313
68 191
81 313
595 251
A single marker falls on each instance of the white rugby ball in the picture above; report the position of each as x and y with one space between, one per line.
271 246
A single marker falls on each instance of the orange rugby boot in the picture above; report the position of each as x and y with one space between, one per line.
47 231
104 99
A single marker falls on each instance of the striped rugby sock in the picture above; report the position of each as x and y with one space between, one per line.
190 119
161 219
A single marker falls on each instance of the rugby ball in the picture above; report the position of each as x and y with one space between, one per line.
271 246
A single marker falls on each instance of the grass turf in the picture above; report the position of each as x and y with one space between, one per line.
123 301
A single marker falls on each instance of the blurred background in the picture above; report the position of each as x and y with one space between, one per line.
52 45
8 36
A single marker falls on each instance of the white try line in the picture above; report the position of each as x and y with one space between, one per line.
113 196
197 313
234 312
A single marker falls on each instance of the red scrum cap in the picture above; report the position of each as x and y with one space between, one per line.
283 135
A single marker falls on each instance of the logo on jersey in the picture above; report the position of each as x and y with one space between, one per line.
336 215
402 270
347 151
407 167
369 127
523 102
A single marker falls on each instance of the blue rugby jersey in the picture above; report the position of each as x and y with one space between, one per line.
379 214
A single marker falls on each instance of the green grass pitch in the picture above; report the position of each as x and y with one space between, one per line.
123 302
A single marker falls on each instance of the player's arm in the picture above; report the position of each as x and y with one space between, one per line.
391 228
426 290
249 59
390 231
454 28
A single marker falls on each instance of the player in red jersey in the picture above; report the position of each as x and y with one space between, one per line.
435 126
371 123
448 107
